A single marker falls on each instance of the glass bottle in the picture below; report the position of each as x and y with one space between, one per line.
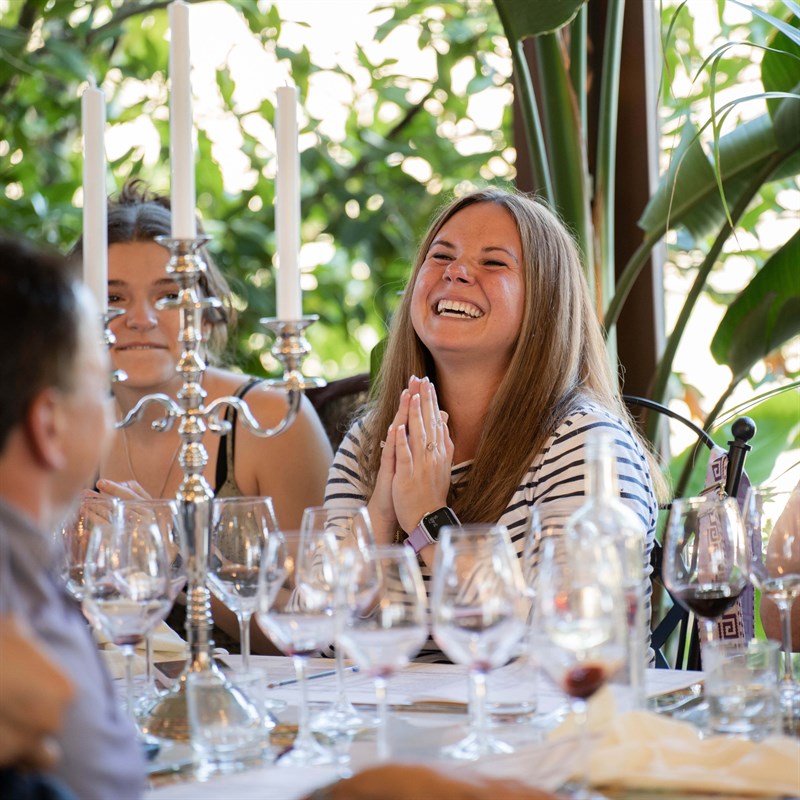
605 515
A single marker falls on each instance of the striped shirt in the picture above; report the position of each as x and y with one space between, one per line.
555 485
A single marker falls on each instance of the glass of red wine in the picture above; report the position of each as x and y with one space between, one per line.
705 556
579 626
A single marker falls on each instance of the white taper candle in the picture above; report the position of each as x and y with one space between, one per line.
95 215
181 141
287 207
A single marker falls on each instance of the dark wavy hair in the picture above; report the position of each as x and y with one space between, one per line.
139 214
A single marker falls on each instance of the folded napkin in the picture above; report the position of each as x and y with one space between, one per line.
167 646
642 750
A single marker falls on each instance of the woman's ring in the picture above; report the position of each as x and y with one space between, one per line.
430 446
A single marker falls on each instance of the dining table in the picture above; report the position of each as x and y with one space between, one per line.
428 710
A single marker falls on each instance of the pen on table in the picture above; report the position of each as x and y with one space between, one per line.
326 674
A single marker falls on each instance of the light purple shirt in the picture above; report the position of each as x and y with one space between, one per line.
101 758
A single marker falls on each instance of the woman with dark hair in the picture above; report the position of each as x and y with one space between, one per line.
290 468
495 372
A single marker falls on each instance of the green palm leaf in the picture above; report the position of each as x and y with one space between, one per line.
523 18
765 314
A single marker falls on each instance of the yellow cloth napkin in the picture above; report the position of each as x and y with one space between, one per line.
640 749
167 646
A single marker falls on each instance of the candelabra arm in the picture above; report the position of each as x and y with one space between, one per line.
218 425
173 410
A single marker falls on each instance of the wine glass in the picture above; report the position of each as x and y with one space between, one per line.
580 625
705 556
479 610
239 530
772 523
126 587
296 608
162 516
353 532
75 533
385 626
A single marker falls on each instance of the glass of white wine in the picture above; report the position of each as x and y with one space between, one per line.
479 609
385 626
296 609
353 532
126 588
772 525
162 515
240 527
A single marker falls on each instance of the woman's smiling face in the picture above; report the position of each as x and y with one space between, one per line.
469 294
147 347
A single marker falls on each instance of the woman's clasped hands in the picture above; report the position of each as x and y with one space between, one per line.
416 458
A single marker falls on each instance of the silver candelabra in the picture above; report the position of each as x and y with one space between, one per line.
168 718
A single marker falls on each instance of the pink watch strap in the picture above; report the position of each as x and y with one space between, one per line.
418 538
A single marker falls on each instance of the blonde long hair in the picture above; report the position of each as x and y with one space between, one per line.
558 360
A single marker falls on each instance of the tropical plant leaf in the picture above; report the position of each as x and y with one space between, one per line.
688 193
523 18
780 68
688 172
775 22
765 315
787 122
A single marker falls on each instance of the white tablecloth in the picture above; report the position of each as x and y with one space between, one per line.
414 736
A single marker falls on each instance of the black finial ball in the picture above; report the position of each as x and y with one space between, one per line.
743 429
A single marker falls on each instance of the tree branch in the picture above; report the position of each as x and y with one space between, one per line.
127 11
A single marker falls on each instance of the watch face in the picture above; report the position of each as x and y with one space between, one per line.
436 520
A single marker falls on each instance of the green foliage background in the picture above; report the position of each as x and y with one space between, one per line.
358 200
355 193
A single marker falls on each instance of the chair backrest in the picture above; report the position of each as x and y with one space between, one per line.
677 626
337 402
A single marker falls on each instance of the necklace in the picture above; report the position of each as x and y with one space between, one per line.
127 451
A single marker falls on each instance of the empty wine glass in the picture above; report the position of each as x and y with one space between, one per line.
162 515
126 587
353 532
296 608
239 530
580 622
75 533
479 610
385 626
705 556
772 523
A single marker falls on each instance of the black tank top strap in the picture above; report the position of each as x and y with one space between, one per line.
227 442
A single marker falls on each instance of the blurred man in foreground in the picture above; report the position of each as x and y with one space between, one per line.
54 426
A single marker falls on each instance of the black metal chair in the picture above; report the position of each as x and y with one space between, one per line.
677 618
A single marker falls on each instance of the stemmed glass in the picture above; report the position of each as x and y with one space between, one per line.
479 610
75 533
296 608
162 516
354 537
705 556
580 625
772 523
386 625
240 527
126 587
